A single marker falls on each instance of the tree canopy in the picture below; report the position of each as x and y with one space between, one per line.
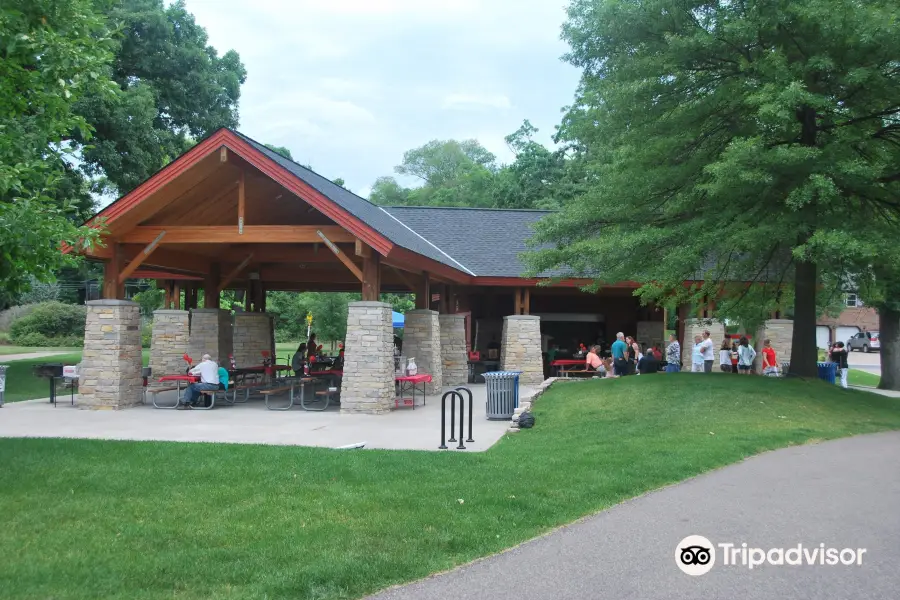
728 142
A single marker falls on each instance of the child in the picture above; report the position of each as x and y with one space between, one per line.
725 356
770 364
839 357
746 356
697 356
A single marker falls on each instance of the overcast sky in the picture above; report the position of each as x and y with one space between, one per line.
349 85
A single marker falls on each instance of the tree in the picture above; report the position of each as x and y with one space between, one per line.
441 162
720 139
387 192
54 53
280 150
535 178
172 88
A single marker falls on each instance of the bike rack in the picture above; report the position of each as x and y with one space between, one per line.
454 394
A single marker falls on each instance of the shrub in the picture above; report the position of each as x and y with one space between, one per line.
11 314
52 321
42 341
146 333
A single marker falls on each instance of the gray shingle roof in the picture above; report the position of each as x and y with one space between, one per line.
487 241
374 216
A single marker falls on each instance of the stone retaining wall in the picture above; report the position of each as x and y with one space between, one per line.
368 383
169 342
520 348
454 360
110 374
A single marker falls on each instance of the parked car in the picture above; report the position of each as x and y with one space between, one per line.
865 341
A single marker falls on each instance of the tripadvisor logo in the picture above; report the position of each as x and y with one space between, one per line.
696 555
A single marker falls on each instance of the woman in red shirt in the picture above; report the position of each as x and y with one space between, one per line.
770 364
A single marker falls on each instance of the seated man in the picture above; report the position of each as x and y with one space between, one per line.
298 361
648 364
593 363
209 380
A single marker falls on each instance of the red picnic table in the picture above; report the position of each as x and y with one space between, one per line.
560 365
179 380
409 382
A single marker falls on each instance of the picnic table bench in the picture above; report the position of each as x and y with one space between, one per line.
290 385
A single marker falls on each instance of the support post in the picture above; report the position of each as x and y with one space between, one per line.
113 289
423 293
211 292
371 278
176 296
241 202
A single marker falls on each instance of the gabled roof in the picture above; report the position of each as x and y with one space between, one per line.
487 241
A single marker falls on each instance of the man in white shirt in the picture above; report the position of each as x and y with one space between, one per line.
707 351
209 380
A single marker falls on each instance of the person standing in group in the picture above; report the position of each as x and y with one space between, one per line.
634 354
673 355
697 356
725 356
619 350
770 361
839 358
734 357
707 349
746 356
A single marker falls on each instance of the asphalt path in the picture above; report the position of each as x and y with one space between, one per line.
843 494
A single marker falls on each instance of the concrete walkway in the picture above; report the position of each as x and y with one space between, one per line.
5 358
871 362
401 429
844 494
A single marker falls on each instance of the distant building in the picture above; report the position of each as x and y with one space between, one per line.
854 318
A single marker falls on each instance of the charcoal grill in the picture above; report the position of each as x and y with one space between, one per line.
54 372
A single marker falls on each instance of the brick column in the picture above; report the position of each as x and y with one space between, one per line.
252 335
454 367
211 334
368 383
110 375
169 342
520 348
422 341
694 327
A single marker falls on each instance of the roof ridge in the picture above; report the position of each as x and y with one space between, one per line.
429 242
482 208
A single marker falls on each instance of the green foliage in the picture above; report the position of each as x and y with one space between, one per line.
329 310
171 88
151 299
14 313
50 324
40 292
280 150
54 52
722 142
146 333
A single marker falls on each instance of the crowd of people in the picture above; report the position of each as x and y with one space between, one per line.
735 356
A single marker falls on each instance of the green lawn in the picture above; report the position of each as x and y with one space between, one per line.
21 383
863 378
138 520
6 350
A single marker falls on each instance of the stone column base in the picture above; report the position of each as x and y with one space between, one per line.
422 341
520 348
781 333
252 334
110 374
169 342
368 383
211 333
454 361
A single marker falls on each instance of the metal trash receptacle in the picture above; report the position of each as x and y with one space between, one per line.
3 369
827 371
502 394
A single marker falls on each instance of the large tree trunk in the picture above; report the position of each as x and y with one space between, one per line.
889 332
804 352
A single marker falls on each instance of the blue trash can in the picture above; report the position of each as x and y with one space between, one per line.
502 394
827 371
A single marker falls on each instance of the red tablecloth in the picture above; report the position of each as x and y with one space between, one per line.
188 378
414 379
567 363
334 372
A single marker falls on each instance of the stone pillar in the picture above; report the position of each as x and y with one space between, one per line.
169 342
211 334
694 327
110 374
520 348
422 341
252 335
368 382
781 333
651 332
454 361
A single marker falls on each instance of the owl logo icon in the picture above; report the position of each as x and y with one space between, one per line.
695 555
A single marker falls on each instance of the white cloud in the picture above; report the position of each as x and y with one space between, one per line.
475 101
349 85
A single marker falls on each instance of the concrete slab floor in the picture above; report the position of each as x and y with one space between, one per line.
402 429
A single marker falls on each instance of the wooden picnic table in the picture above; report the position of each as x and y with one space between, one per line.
410 382
561 364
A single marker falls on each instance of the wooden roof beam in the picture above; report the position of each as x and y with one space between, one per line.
228 234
